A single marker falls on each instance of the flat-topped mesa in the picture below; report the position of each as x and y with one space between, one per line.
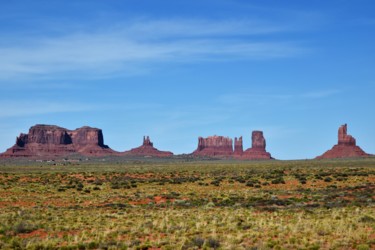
50 141
238 146
147 149
345 148
258 148
218 146
45 134
88 136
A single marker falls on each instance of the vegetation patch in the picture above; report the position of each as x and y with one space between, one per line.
189 205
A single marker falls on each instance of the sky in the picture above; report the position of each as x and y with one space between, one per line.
177 70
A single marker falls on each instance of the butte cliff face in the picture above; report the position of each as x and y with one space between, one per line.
258 148
50 141
147 149
345 148
219 146
238 146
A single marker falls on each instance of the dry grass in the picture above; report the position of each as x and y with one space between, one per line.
193 205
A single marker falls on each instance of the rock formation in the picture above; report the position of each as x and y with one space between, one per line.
344 138
147 149
258 148
218 146
345 148
50 141
238 146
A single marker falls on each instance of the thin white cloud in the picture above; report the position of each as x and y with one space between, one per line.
31 108
137 46
201 28
261 99
320 94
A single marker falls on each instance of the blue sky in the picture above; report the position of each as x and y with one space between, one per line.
178 70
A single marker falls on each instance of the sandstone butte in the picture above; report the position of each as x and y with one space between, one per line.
345 148
53 141
222 147
214 146
147 149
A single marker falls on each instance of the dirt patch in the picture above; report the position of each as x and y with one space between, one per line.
39 233
17 204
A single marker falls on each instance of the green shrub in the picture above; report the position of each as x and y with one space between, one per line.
328 179
23 227
213 243
363 247
367 219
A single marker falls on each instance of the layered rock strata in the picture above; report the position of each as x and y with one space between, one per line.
345 148
147 149
50 141
258 148
214 146
238 146
220 146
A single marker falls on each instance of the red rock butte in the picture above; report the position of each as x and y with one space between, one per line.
52 141
214 146
345 148
258 148
222 147
147 149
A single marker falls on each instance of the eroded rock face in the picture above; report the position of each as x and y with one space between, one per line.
238 146
50 141
147 141
258 141
147 149
45 134
344 138
88 136
345 148
218 146
258 148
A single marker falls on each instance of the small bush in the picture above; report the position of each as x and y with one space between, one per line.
328 179
250 184
92 245
367 219
278 181
198 242
363 247
213 243
24 227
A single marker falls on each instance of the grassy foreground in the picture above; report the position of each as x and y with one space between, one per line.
188 205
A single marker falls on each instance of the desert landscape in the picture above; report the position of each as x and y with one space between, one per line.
66 189
187 125
137 203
